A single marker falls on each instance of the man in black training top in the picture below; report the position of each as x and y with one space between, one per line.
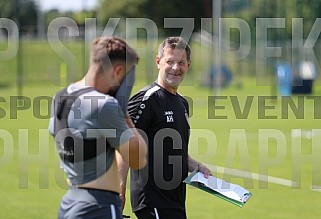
158 191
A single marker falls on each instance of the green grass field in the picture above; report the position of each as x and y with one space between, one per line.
32 183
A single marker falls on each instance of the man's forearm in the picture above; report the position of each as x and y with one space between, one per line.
123 172
195 165
192 164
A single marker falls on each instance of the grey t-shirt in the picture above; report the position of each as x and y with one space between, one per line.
94 114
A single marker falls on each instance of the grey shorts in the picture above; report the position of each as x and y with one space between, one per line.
90 203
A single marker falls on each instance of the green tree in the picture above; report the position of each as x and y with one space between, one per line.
308 10
156 10
24 12
78 16
248 10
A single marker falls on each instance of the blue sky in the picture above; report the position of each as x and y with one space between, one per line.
67 5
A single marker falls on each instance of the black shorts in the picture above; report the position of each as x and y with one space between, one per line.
160 213
90 203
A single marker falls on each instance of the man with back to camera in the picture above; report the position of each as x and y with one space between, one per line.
158 191
90 127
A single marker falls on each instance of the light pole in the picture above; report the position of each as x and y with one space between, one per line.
19 63
40 22
216 15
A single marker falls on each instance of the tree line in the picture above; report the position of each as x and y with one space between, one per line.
26 12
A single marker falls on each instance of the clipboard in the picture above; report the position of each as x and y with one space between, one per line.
230 192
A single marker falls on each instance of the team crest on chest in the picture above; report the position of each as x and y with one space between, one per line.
169 116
